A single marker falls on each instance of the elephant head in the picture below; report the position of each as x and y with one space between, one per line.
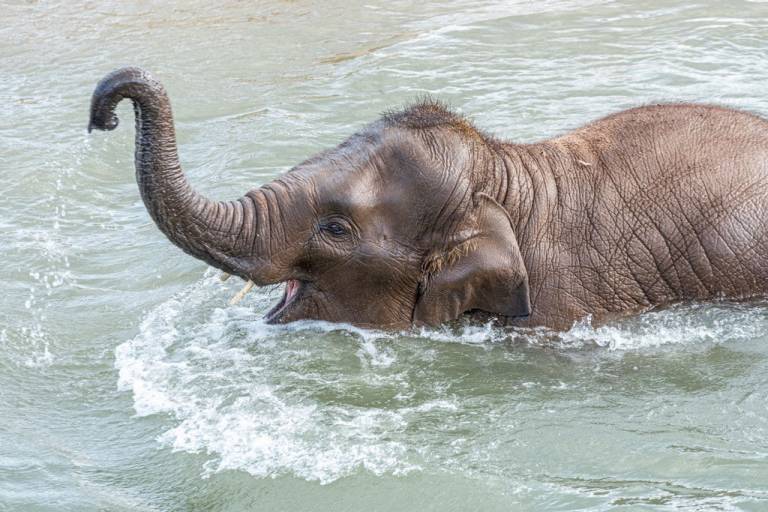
389 229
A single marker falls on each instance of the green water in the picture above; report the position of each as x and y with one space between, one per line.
126 384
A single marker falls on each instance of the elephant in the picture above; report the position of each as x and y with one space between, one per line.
420 218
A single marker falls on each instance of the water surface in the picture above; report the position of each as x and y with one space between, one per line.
127 384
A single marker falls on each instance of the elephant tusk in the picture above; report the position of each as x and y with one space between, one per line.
239 296
224 276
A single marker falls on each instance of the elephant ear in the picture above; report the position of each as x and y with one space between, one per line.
481 270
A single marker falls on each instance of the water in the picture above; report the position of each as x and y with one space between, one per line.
126 384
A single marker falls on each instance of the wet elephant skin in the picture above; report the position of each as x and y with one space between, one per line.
420 217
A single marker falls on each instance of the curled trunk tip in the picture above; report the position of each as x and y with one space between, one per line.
129 82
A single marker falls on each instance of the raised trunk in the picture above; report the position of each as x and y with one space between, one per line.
215 232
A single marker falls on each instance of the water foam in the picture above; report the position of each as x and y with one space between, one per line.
227 381
687 325
322 401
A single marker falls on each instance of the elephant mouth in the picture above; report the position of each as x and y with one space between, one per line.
293 289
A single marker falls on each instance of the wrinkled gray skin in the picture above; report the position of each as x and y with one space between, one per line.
420 218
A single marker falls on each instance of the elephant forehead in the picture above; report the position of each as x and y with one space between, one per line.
391 186
366 198
398 191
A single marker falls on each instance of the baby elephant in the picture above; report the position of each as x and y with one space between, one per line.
420 217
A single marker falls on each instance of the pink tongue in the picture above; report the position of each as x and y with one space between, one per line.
290 289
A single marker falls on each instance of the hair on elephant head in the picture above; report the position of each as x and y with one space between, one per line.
391 228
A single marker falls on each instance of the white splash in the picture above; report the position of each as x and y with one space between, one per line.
322 401
680 325
226 382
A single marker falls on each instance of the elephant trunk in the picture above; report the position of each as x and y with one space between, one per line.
219 233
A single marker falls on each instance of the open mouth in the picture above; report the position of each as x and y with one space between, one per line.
292 289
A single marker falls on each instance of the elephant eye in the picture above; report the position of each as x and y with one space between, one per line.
334 228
